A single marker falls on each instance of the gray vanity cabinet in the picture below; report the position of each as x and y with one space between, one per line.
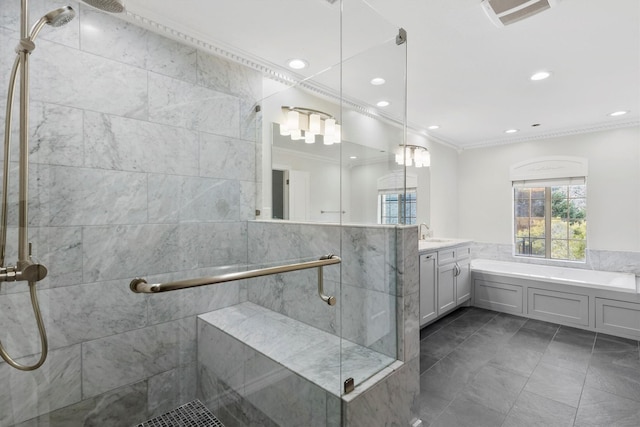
454 278
445 281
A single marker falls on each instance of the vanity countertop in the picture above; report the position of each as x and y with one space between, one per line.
437 243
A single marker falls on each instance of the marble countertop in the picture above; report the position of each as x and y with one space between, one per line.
437 243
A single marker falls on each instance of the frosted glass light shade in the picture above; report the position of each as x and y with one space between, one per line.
314 123
293 120
309 137
296 135
337 135
284 130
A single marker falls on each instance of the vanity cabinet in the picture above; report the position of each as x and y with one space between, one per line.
445 281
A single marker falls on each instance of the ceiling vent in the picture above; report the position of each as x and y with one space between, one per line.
505 12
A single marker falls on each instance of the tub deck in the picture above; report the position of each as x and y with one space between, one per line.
621 282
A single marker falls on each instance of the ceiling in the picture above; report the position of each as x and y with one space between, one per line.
464 74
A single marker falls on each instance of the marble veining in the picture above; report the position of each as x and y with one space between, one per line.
124 144
130 44
311 353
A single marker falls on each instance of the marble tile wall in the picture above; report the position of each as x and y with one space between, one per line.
368 300
617 261
143 163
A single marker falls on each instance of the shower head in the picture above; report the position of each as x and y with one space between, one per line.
111 6
55 18
59 17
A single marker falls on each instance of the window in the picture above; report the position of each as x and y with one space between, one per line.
390 207
551 222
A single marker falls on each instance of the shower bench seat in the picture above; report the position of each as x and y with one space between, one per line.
286 369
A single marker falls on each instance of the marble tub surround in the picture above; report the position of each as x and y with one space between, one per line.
123 184
602 260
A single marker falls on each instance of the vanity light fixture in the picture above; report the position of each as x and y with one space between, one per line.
383 103
511 131
377 81
540 75
297 64
618 113
413 155
305 123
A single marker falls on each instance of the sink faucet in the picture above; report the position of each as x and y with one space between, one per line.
423 236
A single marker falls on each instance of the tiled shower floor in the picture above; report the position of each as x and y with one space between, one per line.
192 414
481 368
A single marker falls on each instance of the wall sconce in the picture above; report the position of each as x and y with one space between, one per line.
414 155
305 123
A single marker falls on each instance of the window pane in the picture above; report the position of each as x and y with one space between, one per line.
537 208
537 193
559 249
538 247
537 228
522 208
577 250
559 229
578 209
577 191
522 193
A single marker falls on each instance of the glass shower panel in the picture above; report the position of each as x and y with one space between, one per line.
373 190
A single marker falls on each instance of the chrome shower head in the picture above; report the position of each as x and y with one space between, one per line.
59 17
55 18
111 6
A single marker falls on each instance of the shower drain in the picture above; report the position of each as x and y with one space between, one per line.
192 414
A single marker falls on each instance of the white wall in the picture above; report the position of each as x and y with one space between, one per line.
613 186
444 191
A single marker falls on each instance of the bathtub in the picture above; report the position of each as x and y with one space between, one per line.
599 301
621 282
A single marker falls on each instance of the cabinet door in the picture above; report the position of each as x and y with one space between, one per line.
463 281
428 278
446 288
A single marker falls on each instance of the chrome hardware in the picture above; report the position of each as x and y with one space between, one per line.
331 300
349 385
140 285
401 38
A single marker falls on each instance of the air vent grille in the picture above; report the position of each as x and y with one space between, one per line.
506 12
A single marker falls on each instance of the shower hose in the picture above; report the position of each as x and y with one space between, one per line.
3 235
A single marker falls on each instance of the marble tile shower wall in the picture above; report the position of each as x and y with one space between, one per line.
367 304
143 163
617 261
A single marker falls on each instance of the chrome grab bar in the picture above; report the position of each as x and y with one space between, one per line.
140 285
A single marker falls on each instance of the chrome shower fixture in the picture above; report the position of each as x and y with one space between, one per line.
25 270
55 18
111 6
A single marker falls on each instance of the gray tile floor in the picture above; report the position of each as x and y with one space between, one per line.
482 368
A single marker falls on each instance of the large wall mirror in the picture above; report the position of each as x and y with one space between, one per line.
359 180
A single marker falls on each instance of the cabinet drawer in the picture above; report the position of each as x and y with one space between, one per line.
446 256
558 306
618 317
498 296
464 252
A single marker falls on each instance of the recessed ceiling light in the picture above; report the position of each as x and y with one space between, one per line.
383 103
353 157
618 113
511 131
378 81
540 75
433 127
297 64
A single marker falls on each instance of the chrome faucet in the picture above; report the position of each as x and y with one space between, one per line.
423 236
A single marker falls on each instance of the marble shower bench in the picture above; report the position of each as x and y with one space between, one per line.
261 367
